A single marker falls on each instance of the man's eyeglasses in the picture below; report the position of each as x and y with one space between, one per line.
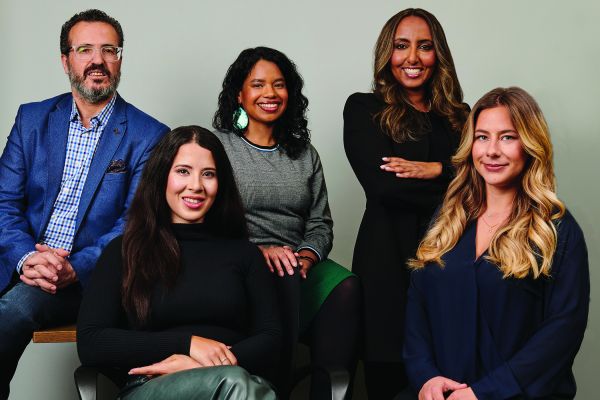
86 52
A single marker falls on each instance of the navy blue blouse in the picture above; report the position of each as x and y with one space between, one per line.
503 337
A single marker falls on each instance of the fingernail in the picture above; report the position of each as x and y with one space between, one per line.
384 158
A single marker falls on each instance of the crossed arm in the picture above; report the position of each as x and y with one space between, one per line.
392 181
204 352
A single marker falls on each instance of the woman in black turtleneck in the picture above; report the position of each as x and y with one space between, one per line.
183 290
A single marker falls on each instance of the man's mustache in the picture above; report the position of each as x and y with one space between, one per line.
97 67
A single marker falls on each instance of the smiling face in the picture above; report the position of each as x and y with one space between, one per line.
413 59
95 80
264 94
192 184
497 151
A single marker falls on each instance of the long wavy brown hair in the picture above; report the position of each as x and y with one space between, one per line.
399 119
526 244
151 254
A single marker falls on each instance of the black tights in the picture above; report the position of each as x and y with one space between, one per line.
333 337
333 334
384 380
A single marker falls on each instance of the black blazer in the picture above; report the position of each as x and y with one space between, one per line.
397 213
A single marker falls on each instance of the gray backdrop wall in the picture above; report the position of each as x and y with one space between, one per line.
176 54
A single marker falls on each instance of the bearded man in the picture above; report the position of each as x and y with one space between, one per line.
67 176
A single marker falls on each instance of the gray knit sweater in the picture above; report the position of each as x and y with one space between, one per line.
285 199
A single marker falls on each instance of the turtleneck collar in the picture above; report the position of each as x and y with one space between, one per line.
192 231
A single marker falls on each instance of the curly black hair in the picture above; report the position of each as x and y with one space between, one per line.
290 130
91 15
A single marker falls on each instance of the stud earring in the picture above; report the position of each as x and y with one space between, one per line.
240 119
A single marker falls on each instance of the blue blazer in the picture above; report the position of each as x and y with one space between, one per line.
31 169
505 338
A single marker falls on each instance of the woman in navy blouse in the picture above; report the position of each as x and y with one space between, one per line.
499 296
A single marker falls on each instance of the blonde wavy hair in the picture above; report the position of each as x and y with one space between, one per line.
525 245
399 119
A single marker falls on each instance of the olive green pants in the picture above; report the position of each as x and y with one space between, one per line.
212 383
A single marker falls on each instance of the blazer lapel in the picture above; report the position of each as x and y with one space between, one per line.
55 143
107 146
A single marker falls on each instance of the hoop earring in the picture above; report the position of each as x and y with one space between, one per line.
240 119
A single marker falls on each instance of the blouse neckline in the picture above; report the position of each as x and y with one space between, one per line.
258 146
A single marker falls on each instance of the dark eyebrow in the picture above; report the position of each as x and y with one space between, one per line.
401 39
182 165
264 80
102 45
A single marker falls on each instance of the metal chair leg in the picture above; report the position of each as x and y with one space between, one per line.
86 381
340 380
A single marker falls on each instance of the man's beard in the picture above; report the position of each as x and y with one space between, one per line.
94 95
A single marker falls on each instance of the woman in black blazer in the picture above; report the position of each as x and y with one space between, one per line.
399 140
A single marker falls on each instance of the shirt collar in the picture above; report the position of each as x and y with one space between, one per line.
101 118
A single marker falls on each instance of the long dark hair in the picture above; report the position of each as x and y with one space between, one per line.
290 131
399 119
150 251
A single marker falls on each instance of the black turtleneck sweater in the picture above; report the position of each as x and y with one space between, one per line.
224 292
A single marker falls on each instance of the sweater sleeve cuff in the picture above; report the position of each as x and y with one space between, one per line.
307 247
418 375
498 384
186 345
447 171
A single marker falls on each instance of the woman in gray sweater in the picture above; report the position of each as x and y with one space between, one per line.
262 124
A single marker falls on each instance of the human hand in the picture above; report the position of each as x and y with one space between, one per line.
174 363
412 169
307 259
463 394
46 269
279 258
66 274
435 388
209 353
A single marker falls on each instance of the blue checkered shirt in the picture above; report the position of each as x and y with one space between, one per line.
81 145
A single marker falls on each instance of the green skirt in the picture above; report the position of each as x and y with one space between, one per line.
320 281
